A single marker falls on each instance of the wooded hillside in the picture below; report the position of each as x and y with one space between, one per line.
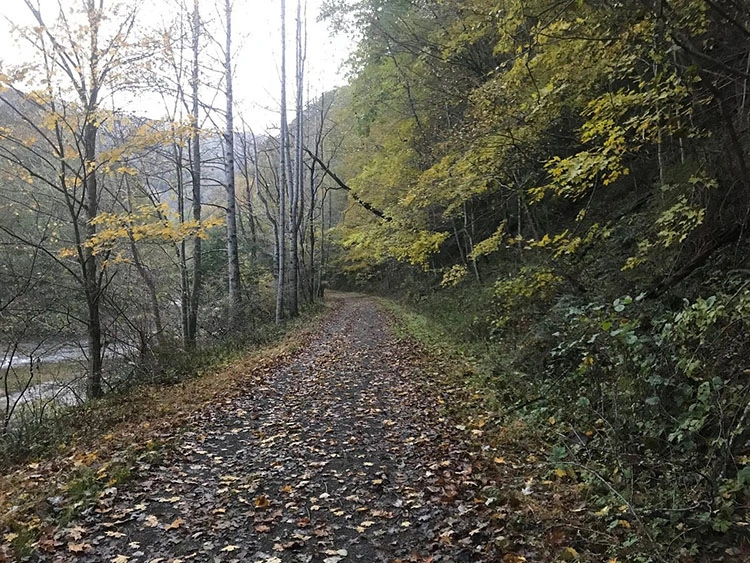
556 193
564 189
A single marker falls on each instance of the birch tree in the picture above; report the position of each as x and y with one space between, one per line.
233 259
283 179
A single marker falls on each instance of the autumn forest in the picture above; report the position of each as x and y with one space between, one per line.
489 300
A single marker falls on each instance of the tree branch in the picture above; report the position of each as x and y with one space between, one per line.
341 183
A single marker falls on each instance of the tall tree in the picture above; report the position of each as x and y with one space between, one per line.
283 178
195 175
297 200
91 68
233 258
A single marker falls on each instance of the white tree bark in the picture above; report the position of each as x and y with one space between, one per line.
233 259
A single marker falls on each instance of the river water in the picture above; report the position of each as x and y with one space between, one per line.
63 392
47 353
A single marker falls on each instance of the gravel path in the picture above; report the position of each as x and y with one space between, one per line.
341 455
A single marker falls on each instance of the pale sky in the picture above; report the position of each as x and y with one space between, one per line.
256 30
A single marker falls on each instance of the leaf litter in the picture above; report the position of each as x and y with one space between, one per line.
344 453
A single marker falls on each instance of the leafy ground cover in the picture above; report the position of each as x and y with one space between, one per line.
89 449
617 504
344 450
350 441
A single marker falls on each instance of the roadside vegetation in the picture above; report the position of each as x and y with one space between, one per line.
554 195
563 197
74 457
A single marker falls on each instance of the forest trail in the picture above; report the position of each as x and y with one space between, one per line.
342 454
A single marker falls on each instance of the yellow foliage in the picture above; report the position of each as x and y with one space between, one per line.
454 276
67 253
490 244
145 224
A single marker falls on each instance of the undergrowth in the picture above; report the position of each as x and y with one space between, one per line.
643 408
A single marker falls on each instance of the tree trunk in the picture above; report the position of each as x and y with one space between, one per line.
233 258
195 171
91 264
296 200
182 250
283 140
248 194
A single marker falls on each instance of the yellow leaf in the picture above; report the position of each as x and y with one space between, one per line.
560 472
262 502
568 554
151 521
230 548
499 460
119 559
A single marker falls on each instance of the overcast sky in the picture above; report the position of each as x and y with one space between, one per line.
257 49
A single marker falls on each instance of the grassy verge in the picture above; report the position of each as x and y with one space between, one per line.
104 444
593 491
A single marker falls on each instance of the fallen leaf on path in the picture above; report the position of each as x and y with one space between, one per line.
78 547
174 525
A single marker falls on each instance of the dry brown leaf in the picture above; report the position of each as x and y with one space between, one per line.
174 525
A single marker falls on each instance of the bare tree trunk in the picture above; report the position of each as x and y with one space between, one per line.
248 195
182 249
91 264
296 199
283 141
233 258
195 171
148 278
311 289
